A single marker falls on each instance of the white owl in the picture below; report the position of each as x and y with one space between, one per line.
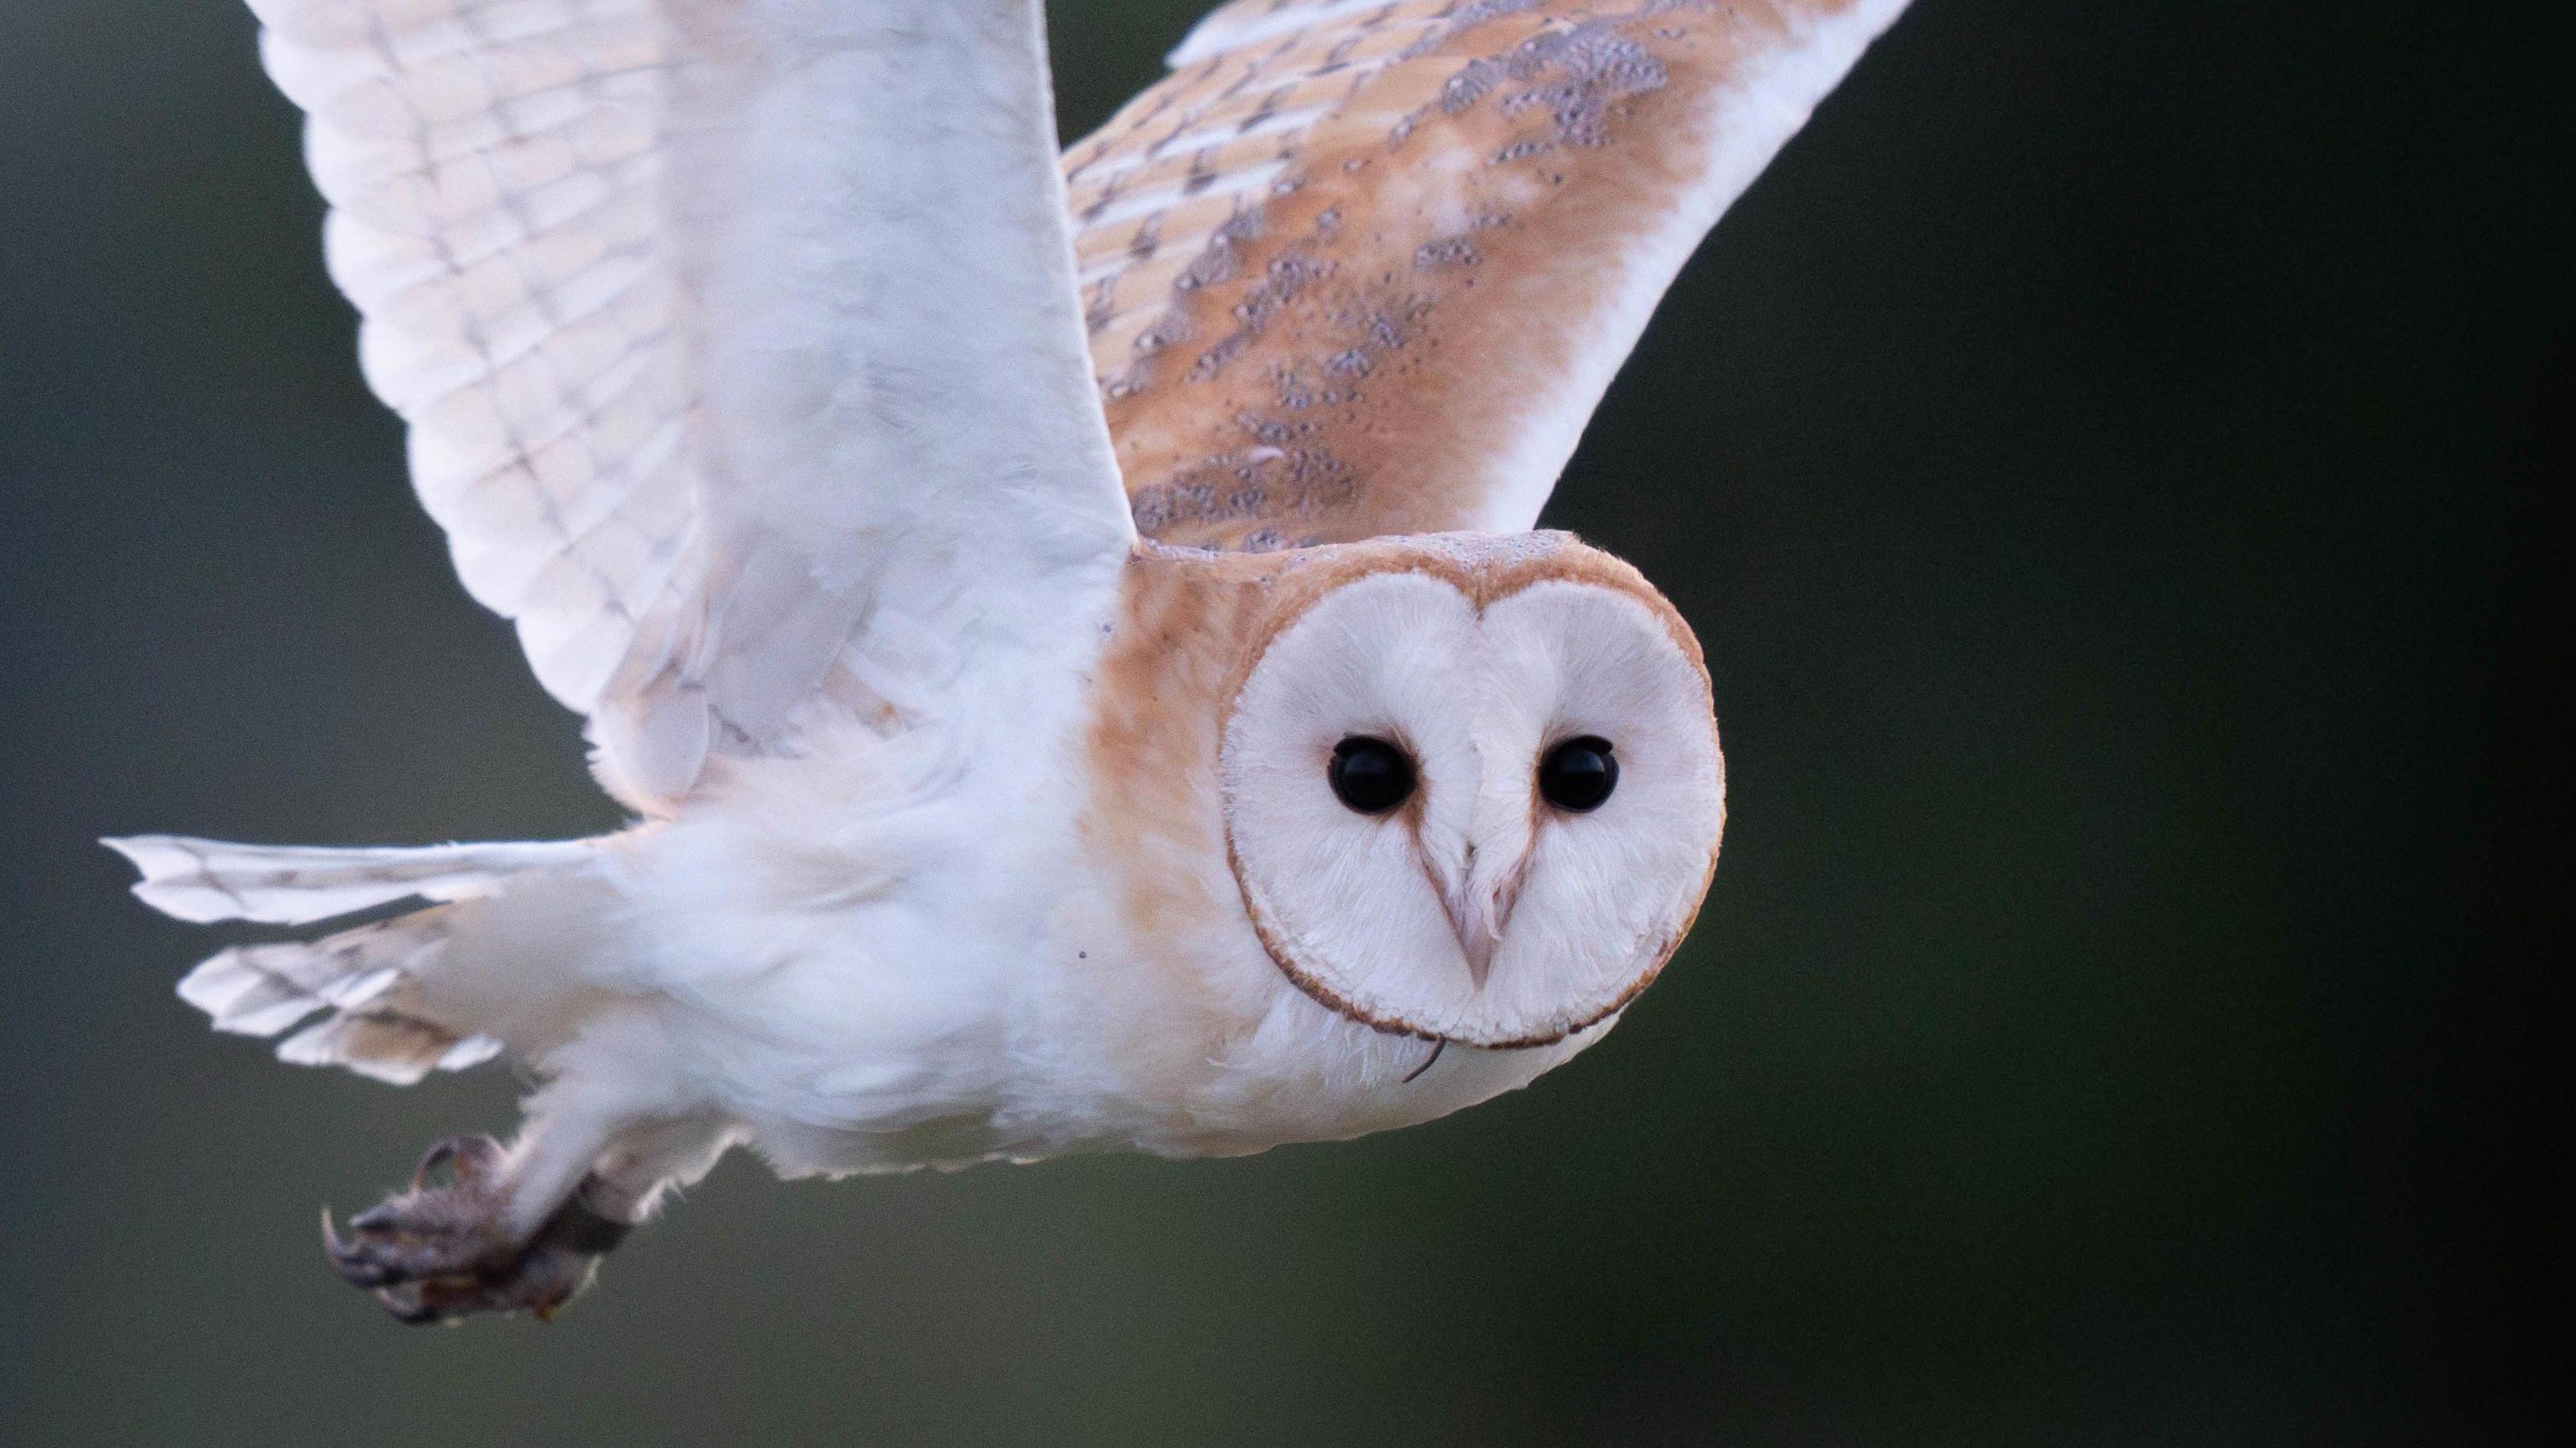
1068 626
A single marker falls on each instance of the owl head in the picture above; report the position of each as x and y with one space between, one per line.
1471 784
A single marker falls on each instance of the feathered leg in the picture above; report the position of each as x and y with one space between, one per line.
488 1229
445 1248
461 1240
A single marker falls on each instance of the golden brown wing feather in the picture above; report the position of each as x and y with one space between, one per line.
1365 268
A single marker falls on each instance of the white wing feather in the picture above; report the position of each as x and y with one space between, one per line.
204 881
738 340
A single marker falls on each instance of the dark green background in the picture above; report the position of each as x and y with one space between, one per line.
2102 459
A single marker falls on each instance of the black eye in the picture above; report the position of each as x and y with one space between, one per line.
1578 774
1371 775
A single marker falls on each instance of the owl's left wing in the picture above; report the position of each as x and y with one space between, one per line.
1362 267
738 340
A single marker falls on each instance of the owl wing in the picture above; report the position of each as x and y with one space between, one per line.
1358 268
738 341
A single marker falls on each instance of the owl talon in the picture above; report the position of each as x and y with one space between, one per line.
464 1156
439 1252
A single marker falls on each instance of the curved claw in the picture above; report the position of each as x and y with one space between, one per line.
468 1157
411 1311
439 1252
352 1261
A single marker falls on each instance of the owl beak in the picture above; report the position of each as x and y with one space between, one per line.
1478 909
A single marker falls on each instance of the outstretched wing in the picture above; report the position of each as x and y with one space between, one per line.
1360 267
738 340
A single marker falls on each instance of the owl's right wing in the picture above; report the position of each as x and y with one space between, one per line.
1366 266
738 341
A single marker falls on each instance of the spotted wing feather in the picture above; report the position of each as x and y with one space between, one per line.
1366 268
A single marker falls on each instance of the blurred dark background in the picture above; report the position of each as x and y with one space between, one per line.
2103 459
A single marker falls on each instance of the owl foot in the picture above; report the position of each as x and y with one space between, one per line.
445 1249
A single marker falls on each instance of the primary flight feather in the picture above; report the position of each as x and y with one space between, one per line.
1068 626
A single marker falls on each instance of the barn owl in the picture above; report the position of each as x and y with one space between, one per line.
1068 626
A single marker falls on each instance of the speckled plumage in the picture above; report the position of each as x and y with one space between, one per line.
1361 269
973 583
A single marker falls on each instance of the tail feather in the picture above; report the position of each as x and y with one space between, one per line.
387 1042
367 979
204 881
260 990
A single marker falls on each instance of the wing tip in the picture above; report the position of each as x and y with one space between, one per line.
171 878
1214 33
136 849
